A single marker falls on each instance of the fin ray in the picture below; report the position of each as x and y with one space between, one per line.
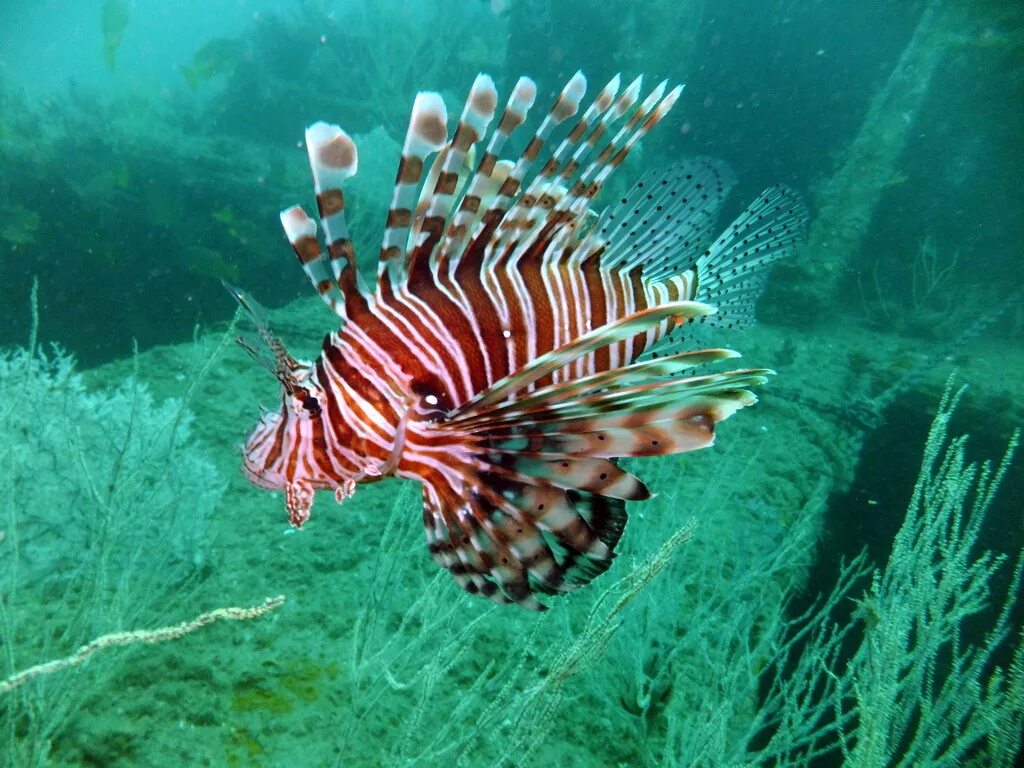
427 134
620 329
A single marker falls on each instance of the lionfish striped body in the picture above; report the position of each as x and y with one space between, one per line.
515 344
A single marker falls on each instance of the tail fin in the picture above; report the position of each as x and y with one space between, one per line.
732 272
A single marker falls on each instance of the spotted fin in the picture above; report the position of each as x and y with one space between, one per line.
733 269
667 220
541 504
665 226
538 504
513 540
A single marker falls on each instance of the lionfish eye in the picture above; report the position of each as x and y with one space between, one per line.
311 404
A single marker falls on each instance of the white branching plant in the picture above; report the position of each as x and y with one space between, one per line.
896 687
923 696
102 530
913 692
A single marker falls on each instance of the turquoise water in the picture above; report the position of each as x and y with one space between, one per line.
145 152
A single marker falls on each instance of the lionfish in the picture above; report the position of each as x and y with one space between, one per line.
517 343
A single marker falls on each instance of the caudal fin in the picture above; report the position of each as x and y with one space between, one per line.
733 270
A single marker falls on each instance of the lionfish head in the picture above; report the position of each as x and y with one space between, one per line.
272 453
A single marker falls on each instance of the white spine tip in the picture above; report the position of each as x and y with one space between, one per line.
654 96
428 126
297 224
673 97
569 100
576 87
483 97
608 93
525 92
332 155
628 97
484 82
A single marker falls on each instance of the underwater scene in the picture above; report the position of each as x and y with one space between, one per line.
371 390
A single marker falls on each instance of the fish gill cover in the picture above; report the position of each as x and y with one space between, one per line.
145 150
